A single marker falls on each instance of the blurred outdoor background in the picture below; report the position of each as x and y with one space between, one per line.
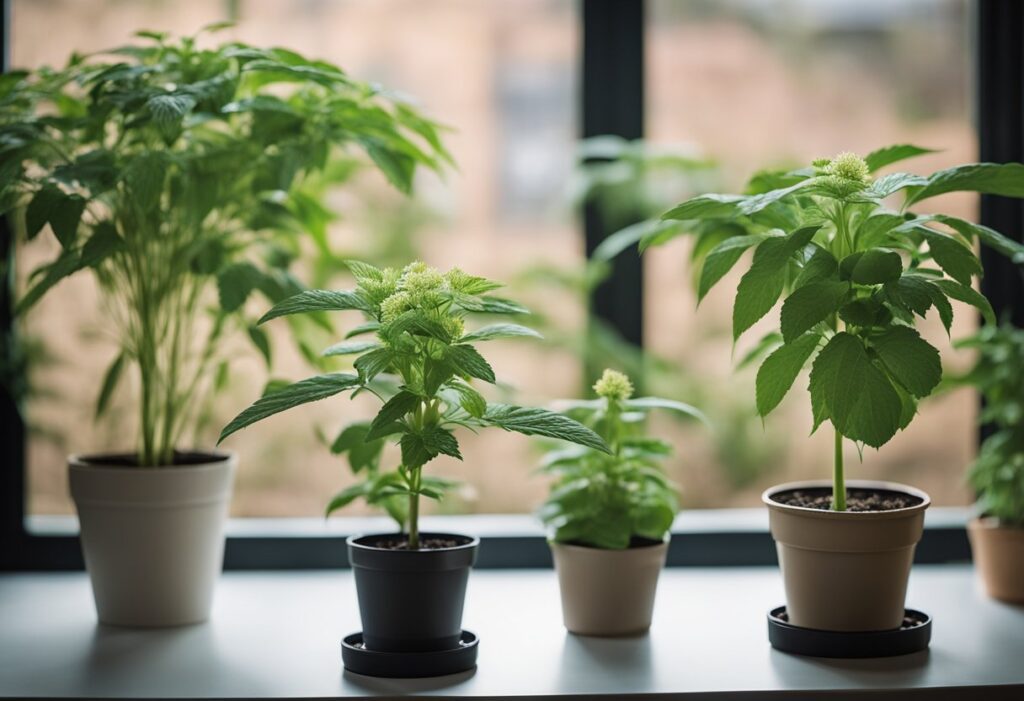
732 86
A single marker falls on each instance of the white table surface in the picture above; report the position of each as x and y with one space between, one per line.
276 634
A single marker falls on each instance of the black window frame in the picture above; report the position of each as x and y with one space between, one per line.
612 98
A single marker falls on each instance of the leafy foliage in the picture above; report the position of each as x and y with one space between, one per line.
998 472
418 315
854 277
168 169
607 500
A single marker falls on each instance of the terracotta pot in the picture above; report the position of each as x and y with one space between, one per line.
608 592
999 556
845 571
152 537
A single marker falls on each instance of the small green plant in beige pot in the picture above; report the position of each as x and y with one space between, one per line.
855 277
610 514
175 175
418 360
997 475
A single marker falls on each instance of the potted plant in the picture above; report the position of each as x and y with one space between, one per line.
855 276
411 585
175 175
997 475
610 514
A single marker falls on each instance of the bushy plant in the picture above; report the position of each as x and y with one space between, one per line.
418 319
997 474
609 500
854 275
168 169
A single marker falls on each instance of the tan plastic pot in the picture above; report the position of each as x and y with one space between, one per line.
845 571
999 557
608 592
152 538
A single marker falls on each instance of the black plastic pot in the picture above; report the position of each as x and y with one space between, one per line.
411 600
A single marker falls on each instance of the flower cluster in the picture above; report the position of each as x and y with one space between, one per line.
613 385
847 172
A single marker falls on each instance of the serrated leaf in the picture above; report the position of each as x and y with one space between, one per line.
888 155
488 333
317 301
989 237
892 183
942 306
911 293
368 327
705 207
780 369
912 361
810 305
260 340
541 422
858 398
393 410
877 266
350 348
371 364
956 259
721 259
760 287
309 390
820 266
110 380
963 293
469 399
468 361
1006 179
874 231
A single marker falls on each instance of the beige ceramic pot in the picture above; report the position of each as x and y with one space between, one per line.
608 592
845 571
153 538
999 557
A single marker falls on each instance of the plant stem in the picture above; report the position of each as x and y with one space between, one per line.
838 482
414 513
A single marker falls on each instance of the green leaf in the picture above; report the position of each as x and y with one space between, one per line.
892 183
397 167
989 237
648 403
891 154
260 340
68 263
912 362
780 369
394 409
419 448
103 243
468 361
810 305
235 283
494 331
110 380
650 229
942 306
859 399
705 207
368 327
350 348
168 111
362 454
490 305
40 209
144 179
865 312
371 364
911 293
969 295
541 422
820 266
318 301
721 259
877 266
309 390
874 231
65 217
756 203
760 287
956 259
346 497
1006 179
469 399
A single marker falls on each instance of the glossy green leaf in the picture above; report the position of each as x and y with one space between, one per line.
810 305
541 422
780 369
493 331
909 359
317 301
888 155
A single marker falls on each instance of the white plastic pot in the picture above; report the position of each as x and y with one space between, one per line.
152 537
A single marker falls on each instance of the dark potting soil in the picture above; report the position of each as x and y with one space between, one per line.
856 499
181 459
426 543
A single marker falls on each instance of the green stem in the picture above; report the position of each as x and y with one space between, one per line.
838 481
414 511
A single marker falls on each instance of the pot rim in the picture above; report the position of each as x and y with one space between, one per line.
351 542
87 462
663 543
991 523
766 499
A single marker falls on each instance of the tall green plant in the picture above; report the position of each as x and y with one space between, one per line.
418 317
168 169
855 276
997 474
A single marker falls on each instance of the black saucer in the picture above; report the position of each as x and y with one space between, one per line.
437 663
912 636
